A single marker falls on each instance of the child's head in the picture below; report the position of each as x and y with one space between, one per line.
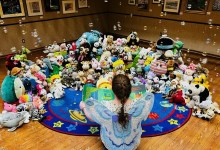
121 87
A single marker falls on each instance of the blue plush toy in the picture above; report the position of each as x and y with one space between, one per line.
7 89
89 37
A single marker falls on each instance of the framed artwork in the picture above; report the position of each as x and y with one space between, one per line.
82 3
197 6
131 2
34 7
11 8
69 6
143 4
156 1
52 5
172 6
216 5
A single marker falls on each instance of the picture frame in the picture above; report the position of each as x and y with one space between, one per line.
69 6
216 5
143 4
198 7
11 8
156 1
52 5
82 3
34 7
131 2
172 6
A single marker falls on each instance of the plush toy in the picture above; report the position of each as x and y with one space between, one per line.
25 98
8 89
198 94
68 82
119 67
78 84
11 63
38 103
108 44
16 72
19 87
57 88
201 79
177 97
13 120
165 43
52 48
133 39
159 67
23 55
10 107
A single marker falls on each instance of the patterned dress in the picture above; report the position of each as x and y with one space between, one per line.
112 134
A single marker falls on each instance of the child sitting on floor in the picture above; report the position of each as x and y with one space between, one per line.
120 119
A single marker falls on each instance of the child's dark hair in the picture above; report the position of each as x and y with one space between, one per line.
121 87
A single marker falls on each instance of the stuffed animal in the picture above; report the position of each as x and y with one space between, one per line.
177 97
119 67
133 39
104 84
10 107
13 120
8 89
11 62
19 87
198 94
159 67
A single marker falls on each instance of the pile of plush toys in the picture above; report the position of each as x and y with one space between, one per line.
93 60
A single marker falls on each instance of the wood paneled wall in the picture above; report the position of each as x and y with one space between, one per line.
194 33
52 26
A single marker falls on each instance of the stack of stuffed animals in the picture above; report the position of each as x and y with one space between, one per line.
93 60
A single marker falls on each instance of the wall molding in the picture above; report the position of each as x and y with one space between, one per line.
161 18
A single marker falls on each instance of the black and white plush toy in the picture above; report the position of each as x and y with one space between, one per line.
133 39
198 94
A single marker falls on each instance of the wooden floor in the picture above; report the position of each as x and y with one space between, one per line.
196 134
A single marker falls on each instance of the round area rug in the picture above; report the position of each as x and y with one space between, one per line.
63 115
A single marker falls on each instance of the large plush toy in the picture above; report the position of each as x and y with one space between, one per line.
198 94
13 120
8 89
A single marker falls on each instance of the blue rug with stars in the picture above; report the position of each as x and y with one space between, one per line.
63 115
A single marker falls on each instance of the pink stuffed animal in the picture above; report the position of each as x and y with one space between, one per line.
10 107
38 103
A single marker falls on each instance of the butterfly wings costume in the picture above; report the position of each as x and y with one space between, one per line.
112 134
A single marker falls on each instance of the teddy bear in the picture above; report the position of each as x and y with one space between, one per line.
108 43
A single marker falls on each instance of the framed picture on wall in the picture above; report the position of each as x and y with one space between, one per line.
172 6
34 7
82 3
69 6
131 2
156 1
143 4
216 5
52 5
11 8
197 6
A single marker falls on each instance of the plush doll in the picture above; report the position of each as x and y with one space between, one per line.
11 63
108 44
78 84
52 48
57 88
10 107
8 89
19 87
159 67
198 94
25 98
119 67
37 102
177 97
201 79
133 39
13 120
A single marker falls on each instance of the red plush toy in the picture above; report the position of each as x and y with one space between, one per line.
178 98
11 63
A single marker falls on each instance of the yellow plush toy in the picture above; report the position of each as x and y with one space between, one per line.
104 84
202 80
118 66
